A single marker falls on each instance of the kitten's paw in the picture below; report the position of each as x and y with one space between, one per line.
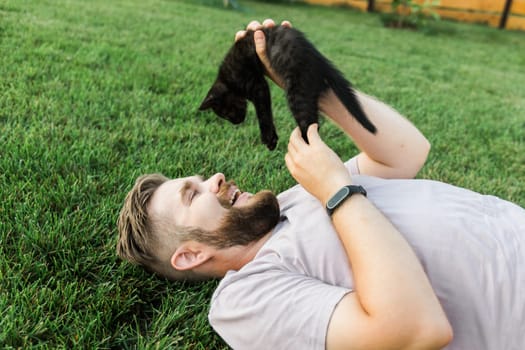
270 139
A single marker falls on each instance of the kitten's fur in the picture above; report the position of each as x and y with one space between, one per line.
306 74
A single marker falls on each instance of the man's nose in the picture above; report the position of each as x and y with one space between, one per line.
216 181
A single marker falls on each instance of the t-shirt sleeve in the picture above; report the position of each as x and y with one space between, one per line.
274 310
352 166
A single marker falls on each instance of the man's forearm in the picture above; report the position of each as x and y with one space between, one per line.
397 150
390 283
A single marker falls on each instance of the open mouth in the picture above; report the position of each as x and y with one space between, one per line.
234 196
229 194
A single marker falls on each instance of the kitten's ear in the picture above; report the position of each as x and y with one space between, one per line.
217 90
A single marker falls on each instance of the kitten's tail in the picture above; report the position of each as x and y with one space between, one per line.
346 94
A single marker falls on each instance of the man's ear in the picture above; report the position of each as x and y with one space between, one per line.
217 90
189 256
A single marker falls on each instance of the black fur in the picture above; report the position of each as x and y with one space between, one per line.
306 73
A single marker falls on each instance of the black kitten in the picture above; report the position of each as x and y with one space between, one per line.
306 74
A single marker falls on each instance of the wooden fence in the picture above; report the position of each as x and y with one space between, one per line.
508 14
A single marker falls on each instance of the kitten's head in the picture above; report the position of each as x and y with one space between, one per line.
225 103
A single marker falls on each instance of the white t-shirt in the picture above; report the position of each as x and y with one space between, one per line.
471 246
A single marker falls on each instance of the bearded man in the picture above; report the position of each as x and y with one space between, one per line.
359 255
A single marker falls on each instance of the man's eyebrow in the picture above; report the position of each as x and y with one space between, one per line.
186 186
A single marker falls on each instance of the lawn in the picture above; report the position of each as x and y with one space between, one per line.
95 93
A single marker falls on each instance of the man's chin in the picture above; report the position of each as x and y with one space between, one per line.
249 221
261 196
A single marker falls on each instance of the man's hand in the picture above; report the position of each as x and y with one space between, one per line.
315 166
260 44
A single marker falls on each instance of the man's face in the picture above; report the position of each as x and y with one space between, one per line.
223 215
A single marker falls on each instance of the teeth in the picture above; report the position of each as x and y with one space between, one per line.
234 194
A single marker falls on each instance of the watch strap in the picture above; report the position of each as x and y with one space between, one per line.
340 196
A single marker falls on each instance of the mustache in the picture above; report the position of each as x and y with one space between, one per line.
224 193
225 186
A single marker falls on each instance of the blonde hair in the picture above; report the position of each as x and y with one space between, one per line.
137 238
139 231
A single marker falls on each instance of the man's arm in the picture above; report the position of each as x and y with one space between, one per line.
397 150
394 305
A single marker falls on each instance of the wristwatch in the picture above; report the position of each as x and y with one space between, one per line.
342 195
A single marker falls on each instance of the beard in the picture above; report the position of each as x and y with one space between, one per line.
241 225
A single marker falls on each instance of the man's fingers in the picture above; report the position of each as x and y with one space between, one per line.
296 140
240 34
260 47
268 23
291 146
312 133
290 164
296 134
254 25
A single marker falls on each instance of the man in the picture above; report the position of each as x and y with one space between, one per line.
358 256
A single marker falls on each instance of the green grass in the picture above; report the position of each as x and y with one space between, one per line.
95 93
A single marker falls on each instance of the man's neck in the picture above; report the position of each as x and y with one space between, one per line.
236 257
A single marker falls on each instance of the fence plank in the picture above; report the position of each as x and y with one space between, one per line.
480 11
476 5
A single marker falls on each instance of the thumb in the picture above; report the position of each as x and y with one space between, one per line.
312 133
260 46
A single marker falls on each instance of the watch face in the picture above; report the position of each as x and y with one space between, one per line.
337 198
342 195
